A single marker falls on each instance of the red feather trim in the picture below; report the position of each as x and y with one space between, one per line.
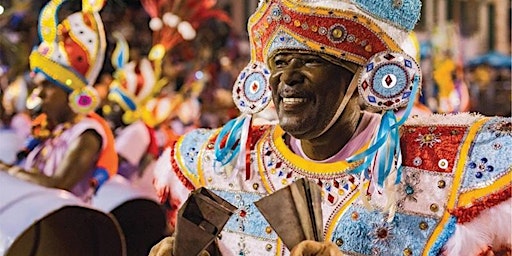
466 214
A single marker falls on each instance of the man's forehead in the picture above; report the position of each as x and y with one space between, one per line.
295 54
39 79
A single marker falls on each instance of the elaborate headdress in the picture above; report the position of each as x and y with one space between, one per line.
134 82
365 33
157 110
367 37
174 21
71 53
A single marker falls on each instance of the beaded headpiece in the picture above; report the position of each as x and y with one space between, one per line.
71 53
369 33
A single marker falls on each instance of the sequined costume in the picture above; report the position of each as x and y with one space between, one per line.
47 156
425 186
456 173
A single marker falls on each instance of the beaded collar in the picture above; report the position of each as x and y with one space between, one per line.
273 151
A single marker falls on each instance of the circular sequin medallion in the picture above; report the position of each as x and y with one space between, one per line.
387 80
251 92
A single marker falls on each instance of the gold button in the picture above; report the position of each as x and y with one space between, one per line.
407 252
337 33
339 242
314 28
284 181
441 184
210 146
255 186
434 207
268 230
423 225
268 247
296 23
210 179
355 215
368 48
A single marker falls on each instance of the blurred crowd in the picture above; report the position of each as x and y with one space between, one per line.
196 74
166 70
199 73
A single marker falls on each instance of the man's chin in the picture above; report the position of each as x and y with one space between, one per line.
297 130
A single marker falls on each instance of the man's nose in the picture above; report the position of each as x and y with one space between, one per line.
34 101
292 72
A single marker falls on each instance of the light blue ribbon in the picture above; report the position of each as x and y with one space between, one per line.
233 130
386 144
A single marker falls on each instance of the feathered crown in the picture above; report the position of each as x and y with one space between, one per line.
134 82
174 21
71 53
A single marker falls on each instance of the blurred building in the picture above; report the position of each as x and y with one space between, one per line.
481 25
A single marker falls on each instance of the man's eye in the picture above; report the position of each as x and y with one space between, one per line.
280 63
313 61
46 84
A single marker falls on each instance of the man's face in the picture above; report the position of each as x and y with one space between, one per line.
306 90
54 100
113 113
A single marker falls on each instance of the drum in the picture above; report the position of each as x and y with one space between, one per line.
141 218
35 220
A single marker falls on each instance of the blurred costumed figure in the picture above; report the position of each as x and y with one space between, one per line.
15 121
71 147
134 84
452 90
453 93
175 25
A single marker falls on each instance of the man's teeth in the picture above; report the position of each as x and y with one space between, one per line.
294 100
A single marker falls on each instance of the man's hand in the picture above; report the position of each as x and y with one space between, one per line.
314 248
10 169
4 166
165 247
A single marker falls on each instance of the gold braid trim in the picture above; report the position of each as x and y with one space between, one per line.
61 74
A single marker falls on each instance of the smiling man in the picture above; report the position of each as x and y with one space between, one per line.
307 90
425 187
